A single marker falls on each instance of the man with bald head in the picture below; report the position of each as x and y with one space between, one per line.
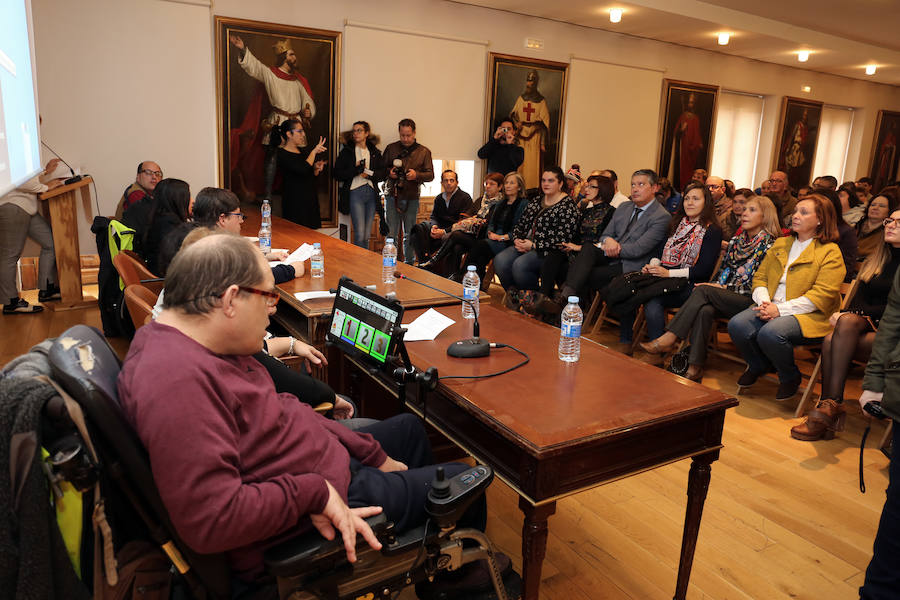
148 175
778 185
721 201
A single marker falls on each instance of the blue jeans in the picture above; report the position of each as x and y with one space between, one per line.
518 269
654 315
883 575
766 344
407 219
362 213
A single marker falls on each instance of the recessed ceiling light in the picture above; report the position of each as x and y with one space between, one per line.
803 55
870 69
724 36
615 15
806 89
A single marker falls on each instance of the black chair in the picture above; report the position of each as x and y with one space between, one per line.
308 566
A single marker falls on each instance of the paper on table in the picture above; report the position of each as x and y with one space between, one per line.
427 326
299 255
303 296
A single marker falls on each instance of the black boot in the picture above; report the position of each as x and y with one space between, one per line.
51 293
437 257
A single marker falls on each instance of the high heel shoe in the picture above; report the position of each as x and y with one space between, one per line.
654 347
821 422
694 373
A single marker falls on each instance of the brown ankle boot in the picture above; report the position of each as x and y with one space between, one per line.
821 422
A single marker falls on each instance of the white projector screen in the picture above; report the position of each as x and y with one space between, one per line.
20 156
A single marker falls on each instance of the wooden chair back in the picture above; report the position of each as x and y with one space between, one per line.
140 301
134 271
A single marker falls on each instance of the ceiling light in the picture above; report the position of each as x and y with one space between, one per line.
615 15
724 36
803 55
870 69
806 89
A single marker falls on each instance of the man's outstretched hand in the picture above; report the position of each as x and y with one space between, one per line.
348 521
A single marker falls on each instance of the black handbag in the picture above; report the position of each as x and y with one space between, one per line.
679 362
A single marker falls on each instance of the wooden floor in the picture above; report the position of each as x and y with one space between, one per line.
783 519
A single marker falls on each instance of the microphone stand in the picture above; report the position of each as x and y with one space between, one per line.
406 373
473 347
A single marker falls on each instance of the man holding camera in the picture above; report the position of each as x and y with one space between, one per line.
408 165
501 152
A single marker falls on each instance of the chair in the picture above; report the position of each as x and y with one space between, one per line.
306 567
140 301
132 269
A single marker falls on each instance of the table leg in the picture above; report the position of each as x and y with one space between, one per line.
698 485
534 544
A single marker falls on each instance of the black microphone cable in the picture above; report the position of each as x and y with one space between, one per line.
503 372
72 171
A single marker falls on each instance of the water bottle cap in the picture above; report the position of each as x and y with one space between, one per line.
317 245
470 268
573 299
389 241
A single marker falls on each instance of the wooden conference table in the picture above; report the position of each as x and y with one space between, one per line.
549 429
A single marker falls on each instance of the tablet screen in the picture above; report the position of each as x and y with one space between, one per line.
362 322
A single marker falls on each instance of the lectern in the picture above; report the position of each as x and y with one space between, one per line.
64 221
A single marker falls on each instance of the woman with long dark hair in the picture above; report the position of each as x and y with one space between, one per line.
299 168
153 218
358 167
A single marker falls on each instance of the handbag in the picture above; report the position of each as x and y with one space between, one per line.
679 362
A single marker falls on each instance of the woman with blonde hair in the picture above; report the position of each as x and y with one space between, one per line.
500 224
729 294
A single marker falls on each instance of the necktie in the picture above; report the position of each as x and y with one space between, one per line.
634 217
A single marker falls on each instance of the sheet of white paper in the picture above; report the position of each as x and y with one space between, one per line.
303 296
299 255
427 326
251 238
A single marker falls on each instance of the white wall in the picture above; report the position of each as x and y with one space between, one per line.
124 80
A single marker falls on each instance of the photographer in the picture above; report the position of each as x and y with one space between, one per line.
501 152
356 167
408 165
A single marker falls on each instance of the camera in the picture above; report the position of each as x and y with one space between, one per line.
504 129
874 409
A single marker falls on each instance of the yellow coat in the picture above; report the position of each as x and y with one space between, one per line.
816 274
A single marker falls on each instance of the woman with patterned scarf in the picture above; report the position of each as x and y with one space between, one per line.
729 294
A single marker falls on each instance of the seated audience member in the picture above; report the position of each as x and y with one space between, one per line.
795 289
148 175
619 198
732 222
730 188
853 335
20 220
501 152
359 168
238 465
217 207
852 209
689 254
870 229
847 241
450 206
698 176
803 191
667 196
468 230
573 182
784 200
634 235
154 217
721 200
548 221
500 224
866 184
764 189
729 294
828 182
595 213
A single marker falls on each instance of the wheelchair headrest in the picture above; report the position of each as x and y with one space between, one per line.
84 364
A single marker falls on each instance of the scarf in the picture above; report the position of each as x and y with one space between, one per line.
683 247
742 257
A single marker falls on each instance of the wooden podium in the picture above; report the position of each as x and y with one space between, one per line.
64 221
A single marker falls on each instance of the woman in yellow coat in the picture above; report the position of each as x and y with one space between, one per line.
795 290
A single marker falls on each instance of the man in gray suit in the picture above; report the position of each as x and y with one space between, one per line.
635 234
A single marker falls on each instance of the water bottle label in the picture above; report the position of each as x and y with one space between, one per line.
266 213
316 263
470 293
265 244
389 261
571 330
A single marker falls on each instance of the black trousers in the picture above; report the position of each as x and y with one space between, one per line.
694 320
883 574
591 271
402 494
481 253
553 271
422 242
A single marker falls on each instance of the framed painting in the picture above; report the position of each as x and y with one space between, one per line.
884 165
532 95
686 138
798 130
267 73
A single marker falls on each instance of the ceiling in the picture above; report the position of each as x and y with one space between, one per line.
842 36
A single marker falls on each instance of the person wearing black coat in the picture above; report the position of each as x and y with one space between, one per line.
154 217
359 168
299 169
501 152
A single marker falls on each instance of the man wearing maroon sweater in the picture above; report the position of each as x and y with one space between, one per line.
239 466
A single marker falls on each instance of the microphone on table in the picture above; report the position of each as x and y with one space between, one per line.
473 347
74 178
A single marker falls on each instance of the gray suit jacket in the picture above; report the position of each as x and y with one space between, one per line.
645 238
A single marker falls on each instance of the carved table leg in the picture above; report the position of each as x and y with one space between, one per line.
698 485
534 545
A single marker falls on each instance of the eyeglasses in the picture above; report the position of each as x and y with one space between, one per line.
713 186
271 297
239 215
157 174
889 221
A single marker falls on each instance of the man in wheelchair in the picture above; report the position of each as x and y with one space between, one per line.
240 467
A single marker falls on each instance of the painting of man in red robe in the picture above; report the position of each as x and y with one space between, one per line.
687 132
885 160
797 146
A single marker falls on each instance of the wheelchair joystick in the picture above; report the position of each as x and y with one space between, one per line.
440 487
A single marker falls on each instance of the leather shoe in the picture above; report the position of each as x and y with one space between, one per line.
654 347
787 389
551 306
694 373
748 378
821 422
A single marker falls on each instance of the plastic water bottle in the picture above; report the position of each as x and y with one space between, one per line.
265 230
471 286
388 261
570 331
317 262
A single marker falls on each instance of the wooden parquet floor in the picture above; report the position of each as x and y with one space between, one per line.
783 519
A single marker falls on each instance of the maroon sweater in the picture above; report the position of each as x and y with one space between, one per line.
235 462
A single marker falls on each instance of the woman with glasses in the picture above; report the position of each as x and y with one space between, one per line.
853 335
299 168
155 217
870 231
359 169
